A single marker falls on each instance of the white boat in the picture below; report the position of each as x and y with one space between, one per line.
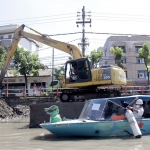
101 117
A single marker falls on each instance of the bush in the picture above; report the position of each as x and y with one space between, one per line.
45 94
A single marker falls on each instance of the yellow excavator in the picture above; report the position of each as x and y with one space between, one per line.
80 81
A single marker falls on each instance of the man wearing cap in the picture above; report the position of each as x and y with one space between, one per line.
137 107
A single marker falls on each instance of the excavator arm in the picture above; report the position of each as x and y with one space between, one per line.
68 48
11 51
65 47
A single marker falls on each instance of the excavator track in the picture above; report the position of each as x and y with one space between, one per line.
86 94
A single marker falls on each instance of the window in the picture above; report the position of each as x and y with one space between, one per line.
122 47
126 74
123 61
105 53
78 71
16 85
137 48
9 36
139 60
1 37
15 88
53 83
142 73
38 84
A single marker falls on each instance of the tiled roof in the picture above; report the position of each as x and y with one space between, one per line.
46 72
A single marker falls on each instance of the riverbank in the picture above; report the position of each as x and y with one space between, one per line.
19 107
13 110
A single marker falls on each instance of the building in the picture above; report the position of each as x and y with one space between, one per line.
133 66
6 35
16 85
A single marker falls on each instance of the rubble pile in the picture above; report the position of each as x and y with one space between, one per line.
5 110
13 110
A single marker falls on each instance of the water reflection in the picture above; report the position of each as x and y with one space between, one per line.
17 136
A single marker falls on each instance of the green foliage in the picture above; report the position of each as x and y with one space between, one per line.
95 57
45 94
144 53
26 63
59 72
118 54
14 72
148 67
2 56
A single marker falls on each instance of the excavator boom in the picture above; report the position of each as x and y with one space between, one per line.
11 51
68 48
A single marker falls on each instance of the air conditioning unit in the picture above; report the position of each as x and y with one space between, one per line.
141 75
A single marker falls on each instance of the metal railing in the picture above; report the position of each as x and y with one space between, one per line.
125 90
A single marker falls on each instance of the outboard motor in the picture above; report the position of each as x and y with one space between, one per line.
134 126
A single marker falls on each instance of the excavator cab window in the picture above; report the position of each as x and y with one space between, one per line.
78 71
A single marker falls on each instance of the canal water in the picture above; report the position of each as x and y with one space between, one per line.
16 135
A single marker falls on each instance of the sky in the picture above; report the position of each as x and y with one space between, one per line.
59 17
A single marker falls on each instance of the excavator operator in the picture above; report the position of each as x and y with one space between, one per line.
73 72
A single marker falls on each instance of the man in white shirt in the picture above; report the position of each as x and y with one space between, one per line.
137 107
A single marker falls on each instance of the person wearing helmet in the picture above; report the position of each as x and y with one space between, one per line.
137 107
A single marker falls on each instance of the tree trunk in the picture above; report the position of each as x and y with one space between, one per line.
92 64
148 76
26 84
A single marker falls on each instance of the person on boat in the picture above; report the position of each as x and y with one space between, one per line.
147 110
137 107
108 110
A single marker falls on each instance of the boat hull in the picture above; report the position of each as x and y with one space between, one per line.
104 128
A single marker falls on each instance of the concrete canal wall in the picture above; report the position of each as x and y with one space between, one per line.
37 105
67 110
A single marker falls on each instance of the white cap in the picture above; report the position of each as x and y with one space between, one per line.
139 101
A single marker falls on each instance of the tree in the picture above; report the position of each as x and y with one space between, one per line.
95 57
59 72
144 53
26 63
118 54
2 56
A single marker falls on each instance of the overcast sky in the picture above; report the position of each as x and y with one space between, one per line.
60 16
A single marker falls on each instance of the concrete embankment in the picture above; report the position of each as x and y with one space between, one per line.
67 110
33 107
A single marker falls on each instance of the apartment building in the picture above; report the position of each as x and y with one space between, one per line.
133 66
6 35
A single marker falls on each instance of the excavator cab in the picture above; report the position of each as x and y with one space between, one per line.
78 70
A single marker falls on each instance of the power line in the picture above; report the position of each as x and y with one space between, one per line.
100 33
119 14
106 18
37 21
106 15
39 17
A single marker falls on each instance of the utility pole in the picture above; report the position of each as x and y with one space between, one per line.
83 43
52 67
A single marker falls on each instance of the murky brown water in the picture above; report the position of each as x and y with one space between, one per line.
16 135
